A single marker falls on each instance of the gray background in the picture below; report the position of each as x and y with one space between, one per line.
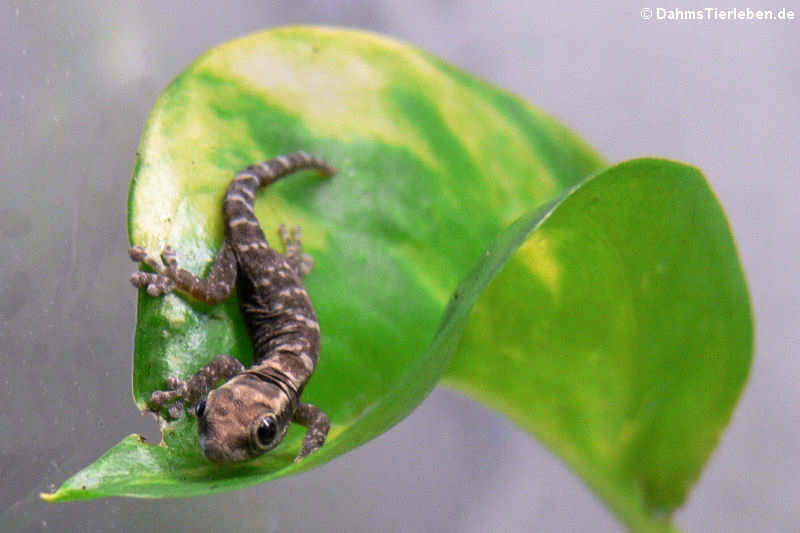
76 82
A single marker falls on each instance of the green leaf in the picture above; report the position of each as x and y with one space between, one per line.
611 321
433 164
619 333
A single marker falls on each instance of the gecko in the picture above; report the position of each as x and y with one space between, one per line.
250 413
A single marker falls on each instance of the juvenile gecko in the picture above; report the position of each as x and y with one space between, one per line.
251 412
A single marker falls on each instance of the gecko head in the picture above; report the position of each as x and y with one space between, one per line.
241 420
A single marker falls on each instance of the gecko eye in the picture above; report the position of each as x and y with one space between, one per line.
200 408
266 432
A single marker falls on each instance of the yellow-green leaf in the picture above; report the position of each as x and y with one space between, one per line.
432 165
618 332
610 317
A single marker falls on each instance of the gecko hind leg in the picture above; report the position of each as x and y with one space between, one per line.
300 262
155 284
169 276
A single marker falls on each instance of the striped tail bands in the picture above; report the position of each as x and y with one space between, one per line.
241 192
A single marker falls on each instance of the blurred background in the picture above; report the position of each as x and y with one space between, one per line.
76 82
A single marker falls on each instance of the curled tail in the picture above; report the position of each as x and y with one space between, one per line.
239 198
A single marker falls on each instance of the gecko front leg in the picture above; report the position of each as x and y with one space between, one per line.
318 424
194 390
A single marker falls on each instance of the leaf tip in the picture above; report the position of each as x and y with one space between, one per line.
60 495
49 497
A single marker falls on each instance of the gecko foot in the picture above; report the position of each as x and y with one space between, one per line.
302 263
161 281
318 425
177 389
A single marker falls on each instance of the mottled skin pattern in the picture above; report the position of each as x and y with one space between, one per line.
251 412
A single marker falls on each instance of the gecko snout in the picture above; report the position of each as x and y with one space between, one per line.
215 451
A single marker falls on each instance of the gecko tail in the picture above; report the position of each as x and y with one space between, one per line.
272 170
241 193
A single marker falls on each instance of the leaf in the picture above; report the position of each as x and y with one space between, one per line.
611 321
619 333
433 164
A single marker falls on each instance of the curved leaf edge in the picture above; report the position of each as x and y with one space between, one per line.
442 347
565 145
635 514
434 363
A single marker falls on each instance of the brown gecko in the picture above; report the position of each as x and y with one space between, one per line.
251 412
